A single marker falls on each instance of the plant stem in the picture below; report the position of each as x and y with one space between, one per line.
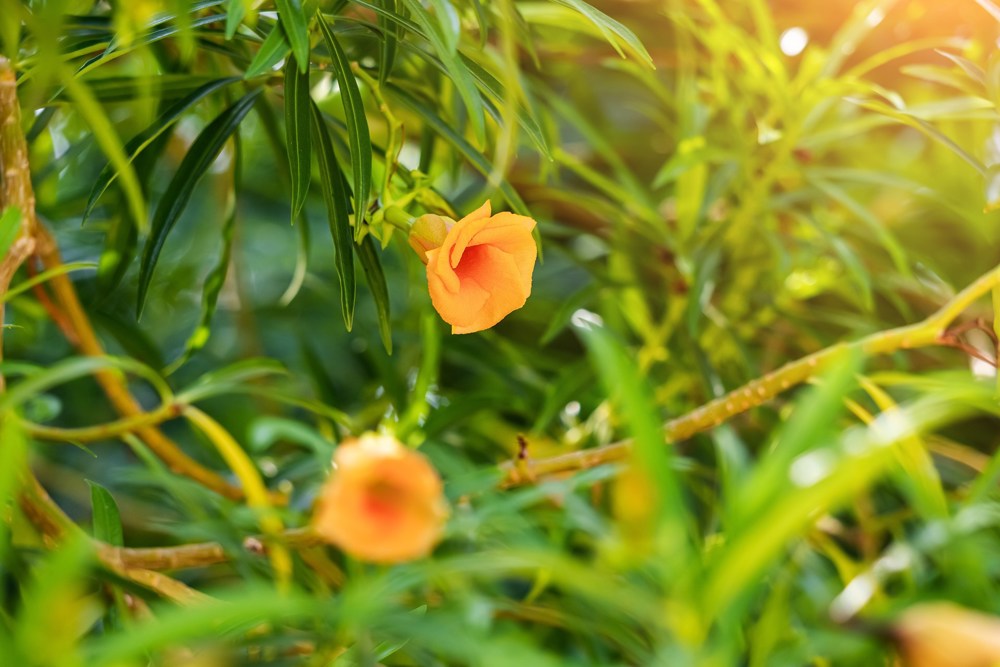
759 391
104 431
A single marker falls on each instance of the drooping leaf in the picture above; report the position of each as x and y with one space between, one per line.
390 40
443 128
370 264
141 141
293 21
297 132
202 154
209 295
338 215
445 45
357 126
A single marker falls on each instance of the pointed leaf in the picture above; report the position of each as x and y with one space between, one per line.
338 215
297 120
107 520
357 126
296 26
372 267
274 47
141 141
202 154
614 32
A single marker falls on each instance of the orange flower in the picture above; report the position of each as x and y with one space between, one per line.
481 271
383 502
941 634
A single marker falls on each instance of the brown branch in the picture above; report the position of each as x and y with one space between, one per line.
931 331
15 183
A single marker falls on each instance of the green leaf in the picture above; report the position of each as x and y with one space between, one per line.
209 296
390 40
236 11
120 244
234 376
107 138
202 154
633 400
274 47
477 159
10 228
23 287
298 141
372 267
338 215
614 32
107 520
142 141
293 20
357 127
445 45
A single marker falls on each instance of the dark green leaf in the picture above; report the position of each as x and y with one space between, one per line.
297 139
390 39
296 26
357 127
338 215
107 520
141 141
209 295
368 256
203 152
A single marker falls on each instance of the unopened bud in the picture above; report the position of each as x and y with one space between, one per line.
428 233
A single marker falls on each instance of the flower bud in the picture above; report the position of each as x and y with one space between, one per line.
428 233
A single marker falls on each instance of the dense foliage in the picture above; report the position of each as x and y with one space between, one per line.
211 288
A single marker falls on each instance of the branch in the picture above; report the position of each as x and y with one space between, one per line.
15 184
929 332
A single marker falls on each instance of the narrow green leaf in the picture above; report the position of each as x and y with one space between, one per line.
236 11
141 141
457 73
202 154
477 159
274 47
104 132
107 520
227 379
120 244
62 269
372 267
10 228
296 27
297 139
357 127
390 40
614 32
209 296
338 215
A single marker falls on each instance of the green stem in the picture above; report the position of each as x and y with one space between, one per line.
398 218
107 431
